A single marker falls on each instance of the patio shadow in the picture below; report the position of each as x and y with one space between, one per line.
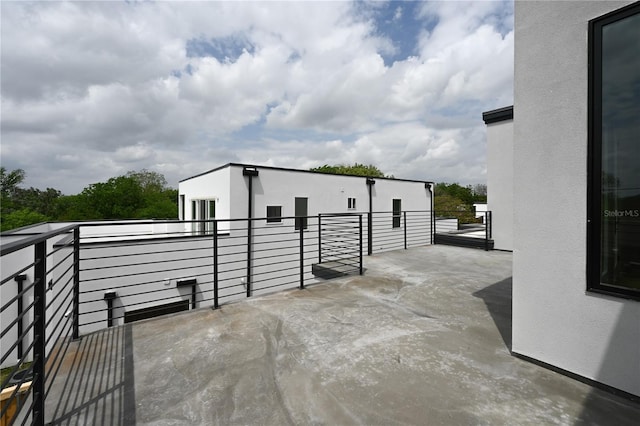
497 298
95 382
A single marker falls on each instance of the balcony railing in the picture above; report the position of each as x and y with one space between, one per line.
62 284
463 228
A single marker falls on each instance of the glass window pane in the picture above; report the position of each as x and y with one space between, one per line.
397 209
620 153
274 214
301 212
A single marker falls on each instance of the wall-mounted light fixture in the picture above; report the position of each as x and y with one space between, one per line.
250 171
109 297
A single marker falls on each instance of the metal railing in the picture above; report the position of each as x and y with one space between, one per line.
61 285
463 228
34 322
393 231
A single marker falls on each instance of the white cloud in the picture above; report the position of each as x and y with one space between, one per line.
91 90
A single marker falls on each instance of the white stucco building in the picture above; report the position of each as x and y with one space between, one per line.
576 188
241 191
500 175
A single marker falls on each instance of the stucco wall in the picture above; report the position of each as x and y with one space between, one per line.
214 185
554 319
500 182
279 187
326 193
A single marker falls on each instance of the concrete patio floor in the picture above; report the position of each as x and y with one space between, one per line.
422 338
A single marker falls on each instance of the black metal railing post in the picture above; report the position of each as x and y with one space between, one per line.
319 238
301 257
486 233
360 245
76 283
215 264
369 233
249 249
39 330
405 228
434 230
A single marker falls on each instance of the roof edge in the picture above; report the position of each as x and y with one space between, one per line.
300 171
497 115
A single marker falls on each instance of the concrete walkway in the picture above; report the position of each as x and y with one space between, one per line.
422 338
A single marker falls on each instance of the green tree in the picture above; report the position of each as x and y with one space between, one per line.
43 202
20 218
9 182
117 198
135 195
14 213
355 170
160 201
454 200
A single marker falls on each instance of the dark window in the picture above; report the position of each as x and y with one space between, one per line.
351 203
211 214
613 258
274 214
301 213
397 211
194 216
182 207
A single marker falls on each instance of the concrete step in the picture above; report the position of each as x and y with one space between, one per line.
335 269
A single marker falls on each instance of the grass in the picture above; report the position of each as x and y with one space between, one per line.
6 372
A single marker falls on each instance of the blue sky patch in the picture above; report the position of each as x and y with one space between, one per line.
224 49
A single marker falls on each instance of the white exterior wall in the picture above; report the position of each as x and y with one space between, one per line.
414 195
211 186
554 319
500 182
326 193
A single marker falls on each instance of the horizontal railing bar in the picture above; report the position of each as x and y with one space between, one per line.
63 321
14 246
278 285
14 275
62 275
19 317
16 390
59 290
54 361
16 297
129 265
70 292
15 345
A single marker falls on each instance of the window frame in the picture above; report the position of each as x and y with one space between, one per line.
202 215
351 203
594 153
301 219
274 217
396 213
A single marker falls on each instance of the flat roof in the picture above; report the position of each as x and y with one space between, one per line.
423 337
299 171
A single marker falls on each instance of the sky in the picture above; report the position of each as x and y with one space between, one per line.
92 90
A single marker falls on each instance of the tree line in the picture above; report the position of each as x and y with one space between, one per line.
454 200
145 195
449 197
135 195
